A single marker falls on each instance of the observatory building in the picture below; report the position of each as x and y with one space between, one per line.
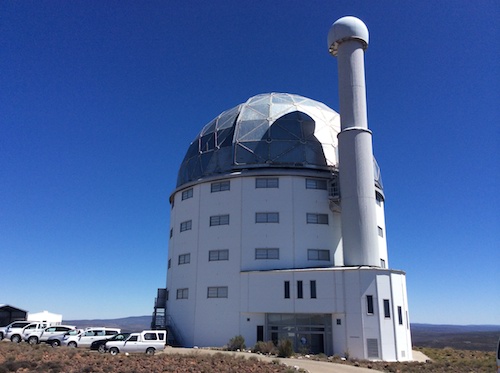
277 226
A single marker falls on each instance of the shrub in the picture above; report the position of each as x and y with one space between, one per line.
285 348
265 347
236 343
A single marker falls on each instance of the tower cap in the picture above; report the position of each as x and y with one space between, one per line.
344 29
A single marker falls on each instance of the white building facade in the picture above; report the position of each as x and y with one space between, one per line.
256 241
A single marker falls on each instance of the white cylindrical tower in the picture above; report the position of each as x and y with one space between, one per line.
347 40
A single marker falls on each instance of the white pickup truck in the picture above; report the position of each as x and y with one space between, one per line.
148 341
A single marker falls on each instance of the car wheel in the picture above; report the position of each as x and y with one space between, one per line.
113 351
102 349
15 338
33 340
72 344
150 351
55 343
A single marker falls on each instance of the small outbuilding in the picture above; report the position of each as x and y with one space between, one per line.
9 314
46 316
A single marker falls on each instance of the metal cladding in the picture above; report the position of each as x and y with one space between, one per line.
347 40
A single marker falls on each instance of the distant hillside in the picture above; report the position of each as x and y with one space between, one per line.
463 337
126 324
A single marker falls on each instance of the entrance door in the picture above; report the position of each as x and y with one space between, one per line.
317 343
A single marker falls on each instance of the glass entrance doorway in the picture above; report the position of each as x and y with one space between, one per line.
309 333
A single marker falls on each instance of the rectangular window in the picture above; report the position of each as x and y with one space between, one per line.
380 232
400 315
220 186
267 253
215 255
267 182
169 263
369 304
171 232
219 220
182 293
217 292
184 258
267 217
339 321
287 289
316 254
312 286
187 194
317 218
300 292
186 225
387 308
379 199
315 184
382 263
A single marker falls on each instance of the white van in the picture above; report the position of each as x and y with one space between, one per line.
89 335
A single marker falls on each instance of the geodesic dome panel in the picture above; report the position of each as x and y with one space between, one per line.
268 130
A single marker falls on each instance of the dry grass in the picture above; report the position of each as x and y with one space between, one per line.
443 360
43 358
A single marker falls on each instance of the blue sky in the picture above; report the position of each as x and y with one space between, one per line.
99 101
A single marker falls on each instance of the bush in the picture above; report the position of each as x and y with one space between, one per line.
236 343
285 348
265 348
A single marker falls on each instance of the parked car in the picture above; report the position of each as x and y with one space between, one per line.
148 341
14 330
100 345
87 336
35 336
56 340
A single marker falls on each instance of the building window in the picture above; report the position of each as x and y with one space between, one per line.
317 218
312 288
182 293
267 182
215 255
316 254
169 263
267 217
382 263
379 199
220 186
186 225
184 259
287 289
300 292
400 315
387 308
316 184
219 220
171 232
267 253
217 292
369 304
380 232
187 194
339 321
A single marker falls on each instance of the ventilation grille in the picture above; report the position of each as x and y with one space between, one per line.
372 347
